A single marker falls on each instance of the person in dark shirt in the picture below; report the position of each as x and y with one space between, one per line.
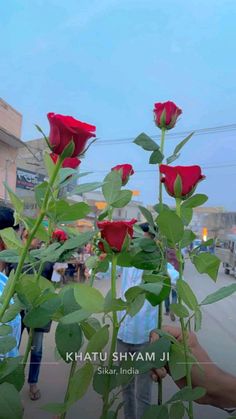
37 340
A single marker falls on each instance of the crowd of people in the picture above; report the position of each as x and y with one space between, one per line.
59 273
134 334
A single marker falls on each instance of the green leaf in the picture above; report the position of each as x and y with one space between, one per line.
197 320
148 261
148 245
9 255
124 259
10 238
87 187
187 295
99 340
10 402
68 339
5 329
207 263
136 305
187 239
80 382
37 317
177 410
177 149
132 293
144 141
156 157
13 310
12 372
195 201
77 241
160 412
157 348
7 343
148 216
154 287
156 299
186 215
180 310
122 199
57 408
161 207
68 150
188 394
41 233
111 186
40 191
154 277
177 362
66 174
30 287
220 294
17 203
113 304
50 166
75 317
89 298
171 226
61 211
90 326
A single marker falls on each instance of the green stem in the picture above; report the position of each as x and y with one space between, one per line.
115 328
184 327
163 132
28 348
72 371
160 307
40 218
91 281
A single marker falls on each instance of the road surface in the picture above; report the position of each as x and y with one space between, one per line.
218 336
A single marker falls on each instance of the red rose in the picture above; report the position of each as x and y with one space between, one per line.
70 162
166 114
126 171
115 233
63 129
189 175
59 235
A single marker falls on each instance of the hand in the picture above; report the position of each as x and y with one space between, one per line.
216 382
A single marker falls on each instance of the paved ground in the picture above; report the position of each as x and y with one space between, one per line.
218 336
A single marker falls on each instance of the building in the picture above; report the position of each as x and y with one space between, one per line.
30 171
97 204
10 143
206 218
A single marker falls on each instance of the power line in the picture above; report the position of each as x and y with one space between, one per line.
219 166
172 135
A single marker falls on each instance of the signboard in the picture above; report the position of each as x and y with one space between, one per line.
25 179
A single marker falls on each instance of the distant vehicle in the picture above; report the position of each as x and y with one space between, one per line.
226 252
199 245
196 243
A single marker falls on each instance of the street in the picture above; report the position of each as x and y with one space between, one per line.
218 336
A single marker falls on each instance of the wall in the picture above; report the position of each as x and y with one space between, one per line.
10 119
7 167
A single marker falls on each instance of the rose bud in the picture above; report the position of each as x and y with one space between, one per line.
166 114
126 171
69 162
59 235
181 181
64 129
115 233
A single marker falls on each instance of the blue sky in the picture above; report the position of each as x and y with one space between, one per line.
107 61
